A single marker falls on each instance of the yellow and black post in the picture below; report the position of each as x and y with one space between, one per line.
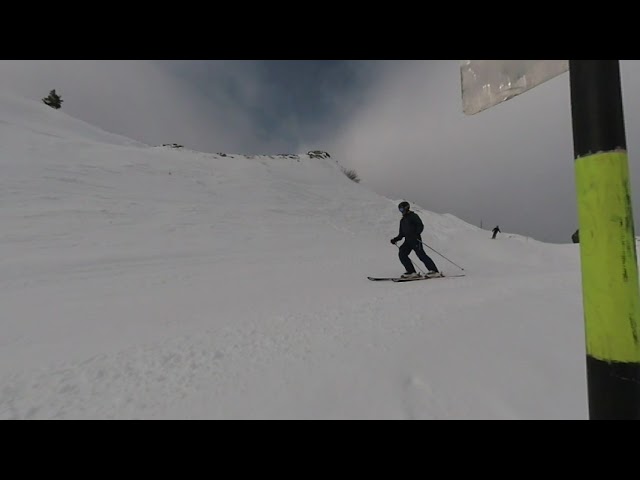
611 298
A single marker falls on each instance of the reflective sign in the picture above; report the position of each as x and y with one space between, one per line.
486 83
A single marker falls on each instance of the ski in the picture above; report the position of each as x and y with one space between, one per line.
400 279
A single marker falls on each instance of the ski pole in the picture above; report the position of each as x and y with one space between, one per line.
441 255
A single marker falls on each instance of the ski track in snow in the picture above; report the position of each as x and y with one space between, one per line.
139 382
148 378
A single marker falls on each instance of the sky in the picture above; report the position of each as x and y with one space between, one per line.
398 123
143 282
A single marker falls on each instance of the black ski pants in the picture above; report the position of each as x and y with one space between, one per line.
414 245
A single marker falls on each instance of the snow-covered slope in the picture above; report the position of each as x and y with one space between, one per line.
151 282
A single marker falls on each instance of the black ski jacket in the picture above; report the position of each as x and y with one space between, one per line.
411 228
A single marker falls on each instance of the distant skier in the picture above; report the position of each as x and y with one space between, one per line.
411 228
495 232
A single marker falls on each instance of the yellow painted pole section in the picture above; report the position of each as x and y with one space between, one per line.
608 254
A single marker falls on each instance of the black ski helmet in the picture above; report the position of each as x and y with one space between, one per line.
403 206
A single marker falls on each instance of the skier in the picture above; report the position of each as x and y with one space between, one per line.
411 228
495 232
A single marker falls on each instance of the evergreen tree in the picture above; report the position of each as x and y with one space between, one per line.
53 100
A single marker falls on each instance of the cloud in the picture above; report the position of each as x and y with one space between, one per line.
249 107
150 101
511 165
399 124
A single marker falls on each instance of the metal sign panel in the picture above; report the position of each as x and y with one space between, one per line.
486 83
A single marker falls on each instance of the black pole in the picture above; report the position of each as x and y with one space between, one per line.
596 106
607 241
